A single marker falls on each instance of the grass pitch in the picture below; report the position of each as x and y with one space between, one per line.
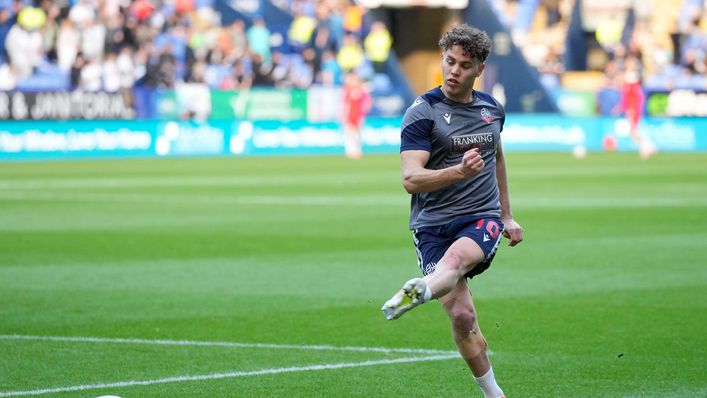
263 277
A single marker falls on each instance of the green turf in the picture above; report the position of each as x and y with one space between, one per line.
607 297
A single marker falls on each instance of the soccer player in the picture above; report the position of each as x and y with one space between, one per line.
357 104
632 102
453 165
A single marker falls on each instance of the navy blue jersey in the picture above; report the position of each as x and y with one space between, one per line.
447 129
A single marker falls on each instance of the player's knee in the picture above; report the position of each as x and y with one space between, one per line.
463 320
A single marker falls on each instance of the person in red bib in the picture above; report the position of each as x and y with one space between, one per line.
357 104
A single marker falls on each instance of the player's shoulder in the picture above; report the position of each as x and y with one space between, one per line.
428 99
488 99
423 105
432 97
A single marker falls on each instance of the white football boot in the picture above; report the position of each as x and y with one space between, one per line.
411 295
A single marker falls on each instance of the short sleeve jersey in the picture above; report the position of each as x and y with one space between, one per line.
447 129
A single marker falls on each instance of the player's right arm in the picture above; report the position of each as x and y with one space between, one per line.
418 179
415 148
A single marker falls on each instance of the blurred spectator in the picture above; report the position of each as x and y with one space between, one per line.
353 19
215 71
91 75
75 76
83 12
111 73
67 44
259 40
141 59
609 31
303 7
302 70
172 41
49 30
198 72
694 48
6 22
160 67
183 6
609 94
322 42
239 41
140 9
241 78
377 45
7 77
279 70
351 54
24 42
93 39
333 17
301 30
201 40
111 10
330 74
126 68
115 34
262 72
690 10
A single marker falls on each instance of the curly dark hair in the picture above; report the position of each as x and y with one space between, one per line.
473 41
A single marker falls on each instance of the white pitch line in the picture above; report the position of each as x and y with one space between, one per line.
224 344
197 181
569 202
214 376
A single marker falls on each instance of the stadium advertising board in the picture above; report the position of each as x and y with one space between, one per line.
75 139
259 104
552 133
64 105
186 138
677 103
81 139
316 104
188 101
576 102
254 104
302 138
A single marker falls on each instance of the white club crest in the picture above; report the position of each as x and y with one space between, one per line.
486 115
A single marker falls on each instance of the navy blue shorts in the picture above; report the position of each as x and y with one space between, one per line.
432 242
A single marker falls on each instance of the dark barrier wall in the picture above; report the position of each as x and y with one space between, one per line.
507 67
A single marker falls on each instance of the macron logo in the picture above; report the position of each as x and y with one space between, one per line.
448 117
486 238
417 102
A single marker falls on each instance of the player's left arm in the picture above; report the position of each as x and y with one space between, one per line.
512 230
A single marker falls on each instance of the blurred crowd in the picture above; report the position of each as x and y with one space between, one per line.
668 39
109 45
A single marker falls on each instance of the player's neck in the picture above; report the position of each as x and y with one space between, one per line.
467 99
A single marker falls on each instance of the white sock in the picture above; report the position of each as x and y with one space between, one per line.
488 385
428 295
